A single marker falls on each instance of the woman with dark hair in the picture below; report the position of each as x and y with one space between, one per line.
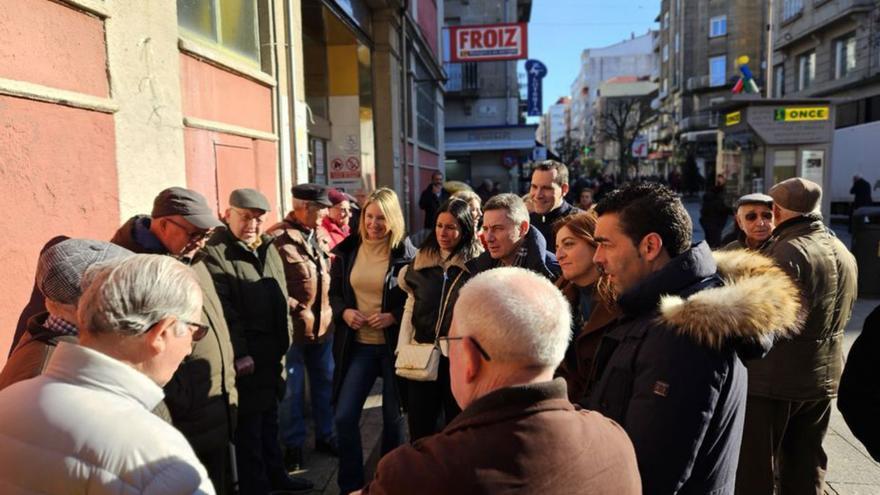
432 282
367 310
590 298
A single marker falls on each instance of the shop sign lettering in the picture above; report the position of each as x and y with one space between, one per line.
488 42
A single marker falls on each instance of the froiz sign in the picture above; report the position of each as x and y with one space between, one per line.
488 42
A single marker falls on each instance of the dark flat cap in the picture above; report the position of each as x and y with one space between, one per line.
61 267
249 198
187 203
797 194
315 193
755 199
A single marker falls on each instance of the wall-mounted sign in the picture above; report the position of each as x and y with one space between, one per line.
801 114
535 70
488 42
732 118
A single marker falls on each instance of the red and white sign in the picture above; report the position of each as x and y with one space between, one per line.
488 42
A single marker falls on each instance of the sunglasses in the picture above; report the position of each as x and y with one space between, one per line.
444 346
199 330
752 216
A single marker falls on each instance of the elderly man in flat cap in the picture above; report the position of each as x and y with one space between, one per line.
249 278
754 221
305 250
790 389
201 396
60 271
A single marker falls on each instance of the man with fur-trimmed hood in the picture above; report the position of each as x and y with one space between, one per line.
670 367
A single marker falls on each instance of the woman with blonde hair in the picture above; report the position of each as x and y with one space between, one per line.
367 309
590 299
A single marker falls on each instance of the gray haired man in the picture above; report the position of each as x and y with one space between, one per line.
754 218
85 424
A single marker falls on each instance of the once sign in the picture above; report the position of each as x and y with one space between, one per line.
801 114
488 42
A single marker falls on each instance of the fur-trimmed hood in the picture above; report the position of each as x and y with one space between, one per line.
757 304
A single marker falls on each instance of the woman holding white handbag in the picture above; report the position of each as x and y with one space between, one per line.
432 283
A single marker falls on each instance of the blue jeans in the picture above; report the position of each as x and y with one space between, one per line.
368 362
318 360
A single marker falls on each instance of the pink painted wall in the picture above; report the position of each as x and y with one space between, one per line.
57 177
53 45
214 94
428 23
235 162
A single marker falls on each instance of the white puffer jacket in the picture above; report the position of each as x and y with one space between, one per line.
85 426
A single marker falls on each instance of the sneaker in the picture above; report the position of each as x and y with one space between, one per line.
328 446
293 458
292 484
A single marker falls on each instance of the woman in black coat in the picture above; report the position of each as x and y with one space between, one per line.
367 309
432 282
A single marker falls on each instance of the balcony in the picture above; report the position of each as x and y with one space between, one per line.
463 79
699 122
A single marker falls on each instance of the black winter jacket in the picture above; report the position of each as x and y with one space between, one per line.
342 297
537 257
859 394
544 223
670 367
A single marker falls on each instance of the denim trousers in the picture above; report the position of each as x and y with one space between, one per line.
316 360
368 362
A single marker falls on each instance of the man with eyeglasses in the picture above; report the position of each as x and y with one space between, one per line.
754 221
305 251
249 277
517 431
201 397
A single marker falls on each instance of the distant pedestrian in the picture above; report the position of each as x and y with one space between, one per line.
754 221
84 425
250 280
511 240
859 399
305 253
486 190
861 191
335 224
60 271
790 390
431 198
547 191
670 368
585 200
714 212
368 306
517 432
432 283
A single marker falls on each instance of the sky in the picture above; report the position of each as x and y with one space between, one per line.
559 30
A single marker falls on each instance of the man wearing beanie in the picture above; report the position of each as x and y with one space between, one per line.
249 278
790 389
60 271
201 396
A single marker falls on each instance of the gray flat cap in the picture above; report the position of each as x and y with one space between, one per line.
755 199
187 203
61 267
249 198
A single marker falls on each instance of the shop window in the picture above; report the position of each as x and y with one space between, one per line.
784 165
426 106
718 26
718 71
844 55
806 70
233 25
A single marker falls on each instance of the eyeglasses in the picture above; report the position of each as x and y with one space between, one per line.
247 217
444 346
752 216
194 235
199 330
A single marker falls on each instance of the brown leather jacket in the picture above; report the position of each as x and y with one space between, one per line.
307 271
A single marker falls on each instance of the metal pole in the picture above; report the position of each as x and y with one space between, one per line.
771 7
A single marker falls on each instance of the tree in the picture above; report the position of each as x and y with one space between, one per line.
621 122
568 150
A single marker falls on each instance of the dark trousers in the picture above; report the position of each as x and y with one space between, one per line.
217 463
782 443
258 452
368 362
431 405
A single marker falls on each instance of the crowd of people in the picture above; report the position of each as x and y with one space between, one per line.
526 345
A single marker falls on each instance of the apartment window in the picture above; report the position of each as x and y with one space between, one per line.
718 26
677 42
665 52
664 24
806 69
791 8
426 106
844 55
779 81
231 24
718 71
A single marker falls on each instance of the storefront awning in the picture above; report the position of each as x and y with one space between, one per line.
490 138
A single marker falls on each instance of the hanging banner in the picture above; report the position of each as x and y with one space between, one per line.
535 70
488 43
